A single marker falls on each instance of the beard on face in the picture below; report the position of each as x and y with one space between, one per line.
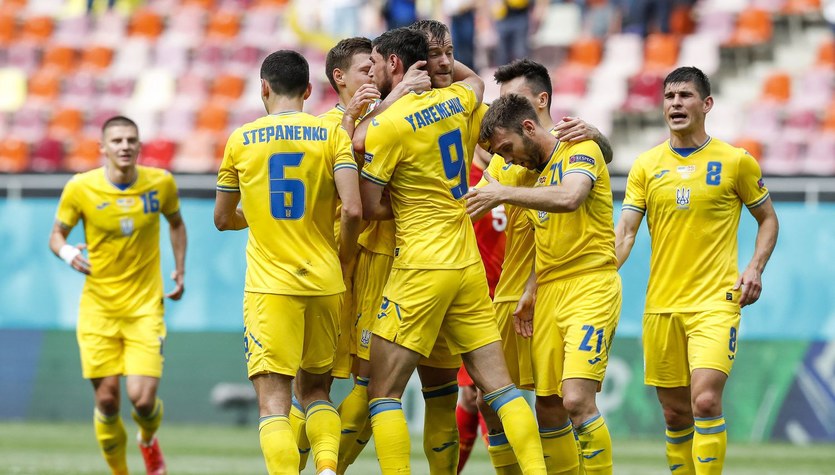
532 151
383 84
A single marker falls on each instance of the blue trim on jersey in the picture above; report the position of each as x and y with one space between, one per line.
383 405
497 439
759 201
685 151
362 381
500 397
340 166
710 430
451 388
675 151
373 178
584 172
633 208
227 189
681 439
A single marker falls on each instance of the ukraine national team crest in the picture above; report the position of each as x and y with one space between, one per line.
365 339
683 198
127 226
542 215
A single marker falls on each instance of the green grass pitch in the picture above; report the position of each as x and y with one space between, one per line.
70 449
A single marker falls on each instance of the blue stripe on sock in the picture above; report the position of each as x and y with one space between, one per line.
586 424
272 416
362 381
319 403
554 429
679 440
499 398
497 439
297 404
384 405
442 391
707 419
710 430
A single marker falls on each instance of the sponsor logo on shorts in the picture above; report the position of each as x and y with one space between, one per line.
593 454
581 158
365 338
595 360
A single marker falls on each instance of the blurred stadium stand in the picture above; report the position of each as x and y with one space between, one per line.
186 71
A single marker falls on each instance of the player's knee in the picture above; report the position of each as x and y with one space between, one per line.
707 404
145 405
579 406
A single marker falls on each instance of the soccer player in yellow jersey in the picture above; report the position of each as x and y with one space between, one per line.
120 320
578 290
288 169
437 288
692 188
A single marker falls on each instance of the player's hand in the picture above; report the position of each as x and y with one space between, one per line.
573 129
366 95
751 284
180 287
481 200
416 79
523 315
79 262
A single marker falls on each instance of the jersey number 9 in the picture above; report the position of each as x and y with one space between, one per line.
454 165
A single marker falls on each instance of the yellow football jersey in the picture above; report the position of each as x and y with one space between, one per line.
692 206
570 244
122 233
283 165
519 240
334 117
417 148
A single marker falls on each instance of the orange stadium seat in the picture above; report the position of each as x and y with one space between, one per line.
777 87
829 118
66 123
681 20
8 27
37 29
83 155
212 118
826 54
660 52
205 4
227 87
753 27
753 146
59 58
146 22
585 53
14 155
800 7
47 156
96 57
224 24
13 6
45 85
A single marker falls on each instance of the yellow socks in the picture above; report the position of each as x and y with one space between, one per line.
709 444
502 456
519 426
322 428
440 428
595 446
680 451
297 421
389 425
560 448
110 433
278 445
149 424
356 430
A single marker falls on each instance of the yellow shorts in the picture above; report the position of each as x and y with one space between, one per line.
517 350
344 358
573 326
677 343
112 346
370 278
285 333
421 306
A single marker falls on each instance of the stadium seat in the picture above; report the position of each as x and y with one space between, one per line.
753 27
826 54
37 29
196 154
132 57
700 50
560 27
813 88
83 155
97 118
186 27
28 124
25 57
644 93
80 90
244 59
96 58
45 85
117 90
157 153
204 4
801 7
147 23
209 58
13 85
719 25
781 157
800 125
622 57
14 155
762 121
258 23
8 28
65 123
681 20
585 53
212 118
660 53
606 91
72 31
59 58
154 90
47 156
820 156
223 24
192 90
227 88
828 124
777 87
171 55
110 30
176 122
753 146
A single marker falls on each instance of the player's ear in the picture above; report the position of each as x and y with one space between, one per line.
542 100
393 62
265 89
529 127
307 91
708 104
338 77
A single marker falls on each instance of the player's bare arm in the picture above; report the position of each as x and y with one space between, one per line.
376 204
228 217
415 80
179 240
366 95
463 73
625 232
751 278
347 185
70 254
574 129
523 315
563 198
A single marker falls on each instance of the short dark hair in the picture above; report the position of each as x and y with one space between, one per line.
535 74
118 120
287 73
433 28
506 112
341 55
409 45
690 74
